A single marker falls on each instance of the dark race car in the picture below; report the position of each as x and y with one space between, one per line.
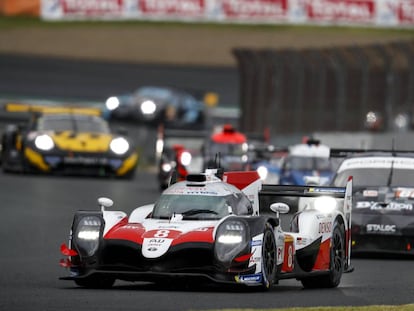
266 159
383 207
229 146
156 105
209 228
178 152
67 143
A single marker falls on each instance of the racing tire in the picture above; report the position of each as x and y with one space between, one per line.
269 259
337 262
97 282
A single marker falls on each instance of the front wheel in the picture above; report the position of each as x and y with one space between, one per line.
268 258
337 261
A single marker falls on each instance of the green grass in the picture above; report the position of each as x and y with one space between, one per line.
24 22
409 307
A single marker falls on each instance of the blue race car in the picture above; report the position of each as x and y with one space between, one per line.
307 164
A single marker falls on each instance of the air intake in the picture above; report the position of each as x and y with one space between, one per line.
196 178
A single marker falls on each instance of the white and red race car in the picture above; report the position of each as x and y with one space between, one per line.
209 228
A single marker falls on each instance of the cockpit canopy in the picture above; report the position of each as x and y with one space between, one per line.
205 202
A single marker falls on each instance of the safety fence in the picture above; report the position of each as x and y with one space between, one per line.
333 89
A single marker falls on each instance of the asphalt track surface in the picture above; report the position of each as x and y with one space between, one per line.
36 217
95 81
37 213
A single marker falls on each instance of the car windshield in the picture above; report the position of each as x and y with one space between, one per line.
154 92
375 177
191 206
308 163
72 123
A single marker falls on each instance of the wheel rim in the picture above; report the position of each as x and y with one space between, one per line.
269 254
338 254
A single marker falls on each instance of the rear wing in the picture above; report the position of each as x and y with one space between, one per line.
180 135
346 152
21 107
272 193
22 112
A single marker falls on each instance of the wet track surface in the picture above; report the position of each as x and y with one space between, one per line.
37 213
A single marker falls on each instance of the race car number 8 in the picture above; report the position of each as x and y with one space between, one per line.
162 234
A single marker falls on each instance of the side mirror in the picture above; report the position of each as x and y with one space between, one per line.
105 203
279 207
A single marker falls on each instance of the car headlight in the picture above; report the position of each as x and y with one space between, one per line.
112 103
166 167
119 145
87 235
262 171
185 158
148 107
232 237
44 142
325 204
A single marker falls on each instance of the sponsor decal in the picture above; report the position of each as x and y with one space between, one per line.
254 8
370 193
378 206
85 160
168 227
352 12
363 204
378 162
154 247
165 7
251 278
279 254
346 10
405 12
133 227
404 193
290 256
92 6
301 241
202 192
331 190
394 206
155 243
380 228
325 227
256 243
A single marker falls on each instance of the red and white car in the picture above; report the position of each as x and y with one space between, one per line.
209 227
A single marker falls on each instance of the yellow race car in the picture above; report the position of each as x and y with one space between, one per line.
69 142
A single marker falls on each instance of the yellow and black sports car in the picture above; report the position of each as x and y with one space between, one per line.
70 143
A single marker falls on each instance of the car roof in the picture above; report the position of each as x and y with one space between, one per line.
378 160
309 150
